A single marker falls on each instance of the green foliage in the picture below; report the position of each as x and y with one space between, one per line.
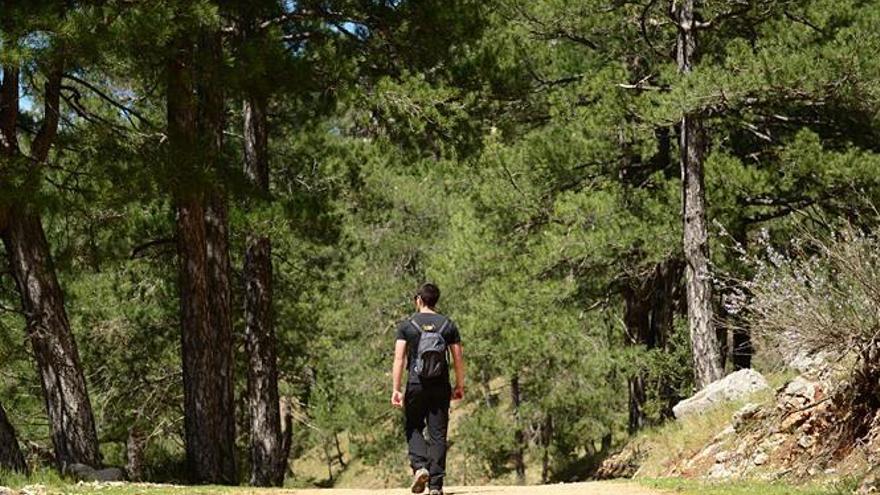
520 154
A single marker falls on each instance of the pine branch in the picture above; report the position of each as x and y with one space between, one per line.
137 251
128 112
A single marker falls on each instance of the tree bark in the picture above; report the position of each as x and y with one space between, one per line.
268 453
546 437
518 434
64 388
206 339
135 444
692 136
11 457
636 319
212 123
268 464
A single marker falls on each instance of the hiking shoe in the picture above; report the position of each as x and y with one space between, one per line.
436 491
420 479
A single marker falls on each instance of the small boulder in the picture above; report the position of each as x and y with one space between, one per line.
80 472
720 472
760 459
734 386
799 393
109 474
7 491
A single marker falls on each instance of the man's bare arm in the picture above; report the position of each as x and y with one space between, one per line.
458 364
397 373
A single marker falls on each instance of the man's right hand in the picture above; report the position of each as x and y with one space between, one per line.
458 393
397 399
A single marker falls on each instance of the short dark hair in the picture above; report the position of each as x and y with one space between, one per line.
430 294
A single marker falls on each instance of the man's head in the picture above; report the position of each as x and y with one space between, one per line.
427 296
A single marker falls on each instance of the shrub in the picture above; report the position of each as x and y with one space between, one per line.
822 298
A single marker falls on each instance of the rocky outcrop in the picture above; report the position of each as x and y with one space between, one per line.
735 386
770 440
623 464
787 437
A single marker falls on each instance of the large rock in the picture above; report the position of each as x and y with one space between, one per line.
734 386
82 472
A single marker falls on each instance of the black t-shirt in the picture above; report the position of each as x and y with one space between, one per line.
406 331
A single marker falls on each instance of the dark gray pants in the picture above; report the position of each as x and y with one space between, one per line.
428 406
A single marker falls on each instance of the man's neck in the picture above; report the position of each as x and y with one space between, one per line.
426 309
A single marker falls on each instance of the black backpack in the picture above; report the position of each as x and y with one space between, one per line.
431 353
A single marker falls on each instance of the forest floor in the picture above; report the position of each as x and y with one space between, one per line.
597 488
649 487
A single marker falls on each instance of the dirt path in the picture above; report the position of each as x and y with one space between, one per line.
560 489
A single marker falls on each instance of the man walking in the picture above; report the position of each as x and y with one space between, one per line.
423 341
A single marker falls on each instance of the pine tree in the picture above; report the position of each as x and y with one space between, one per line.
195 107
30 260
269 446
692 147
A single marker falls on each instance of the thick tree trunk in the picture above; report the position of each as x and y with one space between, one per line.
212 122
11 458
135 445
519 440
206 339
67 402
267 463
704 343
220 308
268 455
64 388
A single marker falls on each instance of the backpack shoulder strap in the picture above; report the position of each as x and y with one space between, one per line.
416 325
443 326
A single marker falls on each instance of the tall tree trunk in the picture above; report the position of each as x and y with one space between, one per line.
267 463
64 387
704 343
201 231
268 455
212 123
636 319
518 434
30 261
546 437
10 454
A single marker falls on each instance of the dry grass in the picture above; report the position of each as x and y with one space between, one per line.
674 441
